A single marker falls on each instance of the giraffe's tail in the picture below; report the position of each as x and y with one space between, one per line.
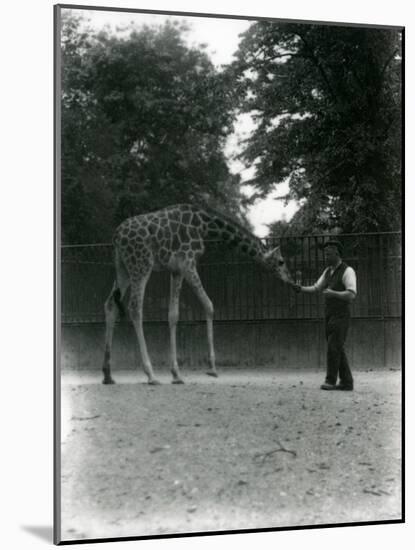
121 283
118 302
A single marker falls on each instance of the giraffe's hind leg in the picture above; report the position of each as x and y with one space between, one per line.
113 309
111 314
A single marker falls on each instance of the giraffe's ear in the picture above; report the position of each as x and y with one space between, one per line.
269 253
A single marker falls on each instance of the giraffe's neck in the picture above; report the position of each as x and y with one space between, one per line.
234 235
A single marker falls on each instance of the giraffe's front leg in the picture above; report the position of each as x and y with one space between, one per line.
175 286
212 363
192 277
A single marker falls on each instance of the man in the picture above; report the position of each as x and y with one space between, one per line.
338 286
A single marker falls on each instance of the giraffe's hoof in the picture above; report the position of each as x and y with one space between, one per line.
177 381
108 381
154 382
212 373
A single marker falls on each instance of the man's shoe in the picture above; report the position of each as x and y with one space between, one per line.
342 387
327 387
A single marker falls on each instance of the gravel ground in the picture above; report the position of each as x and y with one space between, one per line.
249 450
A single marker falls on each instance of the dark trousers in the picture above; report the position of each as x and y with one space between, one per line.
337 364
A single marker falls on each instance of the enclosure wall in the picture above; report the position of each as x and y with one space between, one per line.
372 343
258 320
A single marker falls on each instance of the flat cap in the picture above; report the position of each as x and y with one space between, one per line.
335 243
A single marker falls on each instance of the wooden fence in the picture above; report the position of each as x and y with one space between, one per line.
241 290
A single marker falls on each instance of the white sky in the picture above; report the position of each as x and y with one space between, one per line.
221 37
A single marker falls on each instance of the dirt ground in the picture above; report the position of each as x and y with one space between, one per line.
249 450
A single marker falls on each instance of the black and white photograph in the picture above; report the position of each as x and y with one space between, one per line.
229 261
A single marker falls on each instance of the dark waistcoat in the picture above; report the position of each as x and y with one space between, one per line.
335 306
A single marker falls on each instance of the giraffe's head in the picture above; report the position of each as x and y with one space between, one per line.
277 265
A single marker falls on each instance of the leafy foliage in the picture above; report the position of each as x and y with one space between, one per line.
327 103
144 120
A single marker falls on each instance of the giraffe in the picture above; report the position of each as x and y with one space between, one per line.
174 239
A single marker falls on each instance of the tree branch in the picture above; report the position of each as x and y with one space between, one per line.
319 66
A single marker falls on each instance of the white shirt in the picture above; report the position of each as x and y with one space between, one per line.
348 279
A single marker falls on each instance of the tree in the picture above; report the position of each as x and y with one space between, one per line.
144 121
327 103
